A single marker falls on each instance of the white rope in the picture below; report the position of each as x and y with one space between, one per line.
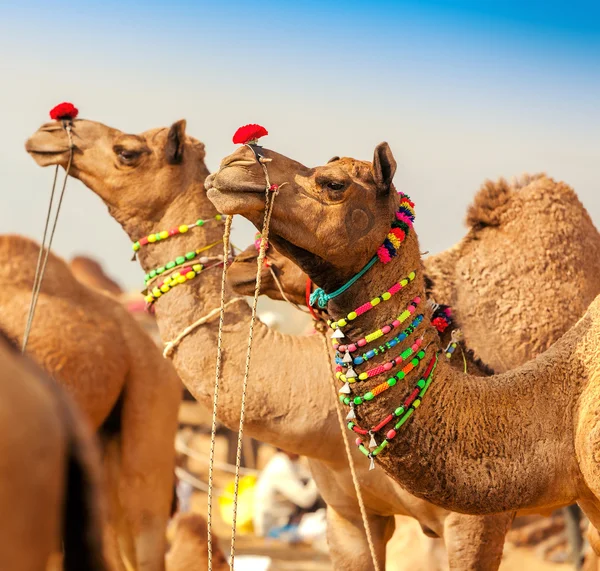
269 202
193 481
344 429
44 252
213 428
170 346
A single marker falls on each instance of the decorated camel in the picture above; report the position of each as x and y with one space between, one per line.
127 392
153 185
523 440
49 497
534 228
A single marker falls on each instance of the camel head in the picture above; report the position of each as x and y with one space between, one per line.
329 219
138 174
241 276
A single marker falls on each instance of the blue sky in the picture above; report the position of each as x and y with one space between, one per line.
463 91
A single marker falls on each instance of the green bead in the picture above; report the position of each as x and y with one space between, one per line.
347 401
341 397
400 375
158 236
199 222
170 265
364 450
391 382
146 277
380 448
179 260
350 425
421 383
415 362
160 270
399 411
369 396
358 400
153 274
421 354
190 255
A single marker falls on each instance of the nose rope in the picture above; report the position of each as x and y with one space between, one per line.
44 252
270 194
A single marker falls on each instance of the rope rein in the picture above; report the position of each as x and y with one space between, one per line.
213 428
359 497
44 253
269 202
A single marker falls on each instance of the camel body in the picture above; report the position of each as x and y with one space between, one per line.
126 391
523 440
48 471
162 187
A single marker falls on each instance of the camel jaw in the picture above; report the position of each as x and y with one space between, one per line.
232 201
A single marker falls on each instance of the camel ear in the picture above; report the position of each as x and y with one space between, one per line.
175 143
384 167
333 159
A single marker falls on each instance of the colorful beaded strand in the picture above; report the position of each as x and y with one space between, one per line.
392 381
373 303
352 347
164 234
379 369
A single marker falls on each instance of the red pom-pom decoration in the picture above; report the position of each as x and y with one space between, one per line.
440 324
64 111
249 134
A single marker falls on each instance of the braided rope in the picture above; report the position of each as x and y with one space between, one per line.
343 428
213 428
269 202
44 254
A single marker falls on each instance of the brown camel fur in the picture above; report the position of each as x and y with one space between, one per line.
89 272
48 470
523 440
92 347
155 181
189 549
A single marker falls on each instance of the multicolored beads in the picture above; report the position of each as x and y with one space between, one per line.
404 412
185 274
373 303
164 234
352 347
370 395
384 367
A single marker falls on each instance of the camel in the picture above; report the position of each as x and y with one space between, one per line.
50 490
523 440
534 210
153 182
116 375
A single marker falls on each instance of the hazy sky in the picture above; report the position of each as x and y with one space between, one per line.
462 91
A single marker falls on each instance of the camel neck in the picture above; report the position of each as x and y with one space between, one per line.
275 387
443 450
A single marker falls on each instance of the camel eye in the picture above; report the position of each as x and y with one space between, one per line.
127 156
335 185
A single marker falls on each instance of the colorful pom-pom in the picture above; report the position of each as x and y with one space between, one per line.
249 134
64 111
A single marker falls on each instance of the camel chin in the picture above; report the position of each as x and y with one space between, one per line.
49 158
242 202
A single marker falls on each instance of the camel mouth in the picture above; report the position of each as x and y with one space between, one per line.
236 200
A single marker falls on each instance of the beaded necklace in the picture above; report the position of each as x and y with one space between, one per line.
164 234
373 303
352 347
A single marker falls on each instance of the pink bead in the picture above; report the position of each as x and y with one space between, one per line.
417 300
411 308
390 434
387 366
358 441
396 323
386 329
415 347
362 343
352 348
336 345
342 348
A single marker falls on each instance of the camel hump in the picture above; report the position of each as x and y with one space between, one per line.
494 199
